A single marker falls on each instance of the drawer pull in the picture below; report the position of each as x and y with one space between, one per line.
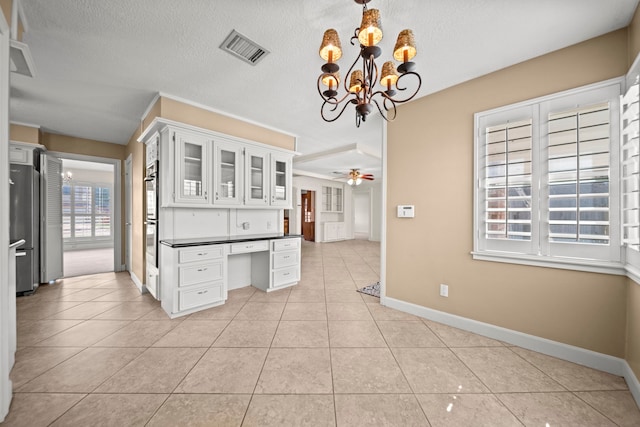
202 292
203 253
286 274
286 257
202 269
249 246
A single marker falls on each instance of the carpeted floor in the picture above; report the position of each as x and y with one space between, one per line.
90 261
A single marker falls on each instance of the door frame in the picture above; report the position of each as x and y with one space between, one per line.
117 199
7 315
128 217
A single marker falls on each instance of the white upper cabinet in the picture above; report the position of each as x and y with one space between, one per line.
227 165
280 180
332 199
200 168
192 166
256 171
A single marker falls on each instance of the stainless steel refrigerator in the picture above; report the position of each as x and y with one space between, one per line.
25 224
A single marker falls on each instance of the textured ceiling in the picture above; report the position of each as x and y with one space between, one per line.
100 63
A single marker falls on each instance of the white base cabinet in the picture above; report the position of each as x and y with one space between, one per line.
195 278
334 231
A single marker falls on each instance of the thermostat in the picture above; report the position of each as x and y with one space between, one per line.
406 211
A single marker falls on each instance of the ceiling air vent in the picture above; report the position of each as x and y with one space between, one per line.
243 48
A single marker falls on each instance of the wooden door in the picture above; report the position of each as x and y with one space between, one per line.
308 216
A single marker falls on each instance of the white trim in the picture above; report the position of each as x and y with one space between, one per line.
149 107
633 273
632 382
7 314
160 122
137 282
28 145
581 356
576 264
223 113
117 196
29 125
383 220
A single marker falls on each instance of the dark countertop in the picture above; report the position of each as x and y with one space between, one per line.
199 241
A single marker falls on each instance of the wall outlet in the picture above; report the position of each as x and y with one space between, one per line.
444 290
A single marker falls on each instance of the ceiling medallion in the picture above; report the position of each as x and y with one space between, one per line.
361 90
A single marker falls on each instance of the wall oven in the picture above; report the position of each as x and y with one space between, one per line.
151 215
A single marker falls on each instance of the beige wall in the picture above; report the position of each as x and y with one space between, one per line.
180 112
633 327
435 136
24 134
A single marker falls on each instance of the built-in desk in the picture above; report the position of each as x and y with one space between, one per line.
196 274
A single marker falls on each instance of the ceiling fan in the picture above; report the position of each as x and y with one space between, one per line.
355 177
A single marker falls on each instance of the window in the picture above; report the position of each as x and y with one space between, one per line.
548 173
86 211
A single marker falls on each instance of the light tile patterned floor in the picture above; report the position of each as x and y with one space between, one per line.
93 351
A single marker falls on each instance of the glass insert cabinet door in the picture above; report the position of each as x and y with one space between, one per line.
192 168
256 177
227 169
281 185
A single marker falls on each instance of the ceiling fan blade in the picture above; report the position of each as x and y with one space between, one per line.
370 178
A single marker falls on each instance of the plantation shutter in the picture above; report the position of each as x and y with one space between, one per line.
508 158
630 169
578 175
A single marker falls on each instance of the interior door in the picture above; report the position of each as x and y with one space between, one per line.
308 215
52 262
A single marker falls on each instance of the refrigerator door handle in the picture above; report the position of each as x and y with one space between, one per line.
21 254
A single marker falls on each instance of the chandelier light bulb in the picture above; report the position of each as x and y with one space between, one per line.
350 181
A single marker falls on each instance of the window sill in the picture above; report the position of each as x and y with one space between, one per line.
577 264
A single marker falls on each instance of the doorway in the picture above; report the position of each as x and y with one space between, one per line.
90 215
362 215
308 215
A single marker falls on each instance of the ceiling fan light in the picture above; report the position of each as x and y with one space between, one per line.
370 32
330 49
405 48
358 181
355 84
389 75
350 181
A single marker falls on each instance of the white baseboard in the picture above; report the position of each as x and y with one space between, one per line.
137 282
632 382
589 358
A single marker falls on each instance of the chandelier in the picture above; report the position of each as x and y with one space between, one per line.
361 90
67 177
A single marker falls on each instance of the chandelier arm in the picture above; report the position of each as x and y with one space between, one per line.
384 113
329 99
335 107
402 89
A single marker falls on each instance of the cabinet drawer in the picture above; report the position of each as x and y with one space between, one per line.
285 276
202 295
286 244
285 259
257 246
201 273
200 254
